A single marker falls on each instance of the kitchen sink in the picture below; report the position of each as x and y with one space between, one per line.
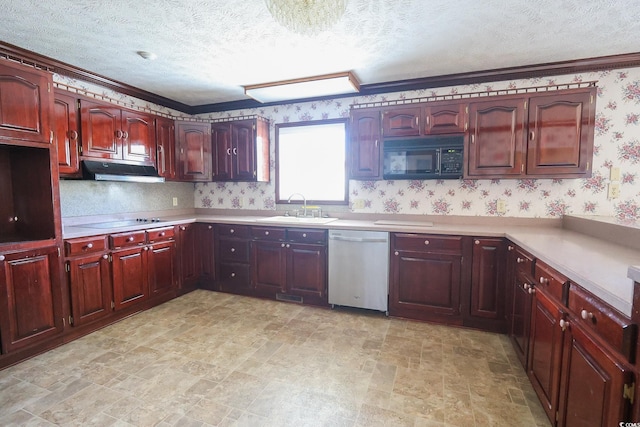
281 219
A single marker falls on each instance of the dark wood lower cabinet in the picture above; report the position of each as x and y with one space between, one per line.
206 255
30 297
130 280
269 263
307 272
161 264
189 265
90 288
592 392
521 317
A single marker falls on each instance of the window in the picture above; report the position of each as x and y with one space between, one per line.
311 160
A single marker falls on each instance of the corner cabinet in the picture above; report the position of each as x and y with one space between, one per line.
241 150
193 141
540 136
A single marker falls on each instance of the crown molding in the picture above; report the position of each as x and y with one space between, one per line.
626 60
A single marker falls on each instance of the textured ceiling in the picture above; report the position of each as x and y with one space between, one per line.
207 50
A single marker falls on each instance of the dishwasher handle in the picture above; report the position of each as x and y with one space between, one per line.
357 239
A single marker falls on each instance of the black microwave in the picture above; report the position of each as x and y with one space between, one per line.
438 157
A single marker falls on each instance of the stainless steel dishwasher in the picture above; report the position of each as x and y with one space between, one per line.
359 269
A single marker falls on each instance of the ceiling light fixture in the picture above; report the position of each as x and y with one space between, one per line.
149 56
310 87
307 17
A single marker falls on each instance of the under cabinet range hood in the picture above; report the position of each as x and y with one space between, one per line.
107 171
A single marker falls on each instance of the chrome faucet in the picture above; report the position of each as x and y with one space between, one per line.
304 200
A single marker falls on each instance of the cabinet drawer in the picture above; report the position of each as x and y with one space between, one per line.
233 250
427 243
232 230
132 238
607 323
524 262
159 234
235 275
553 283
307 235
85 245
268 233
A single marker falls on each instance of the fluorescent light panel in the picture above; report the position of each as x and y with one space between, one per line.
311 87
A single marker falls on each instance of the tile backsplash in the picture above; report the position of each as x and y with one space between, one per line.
616 144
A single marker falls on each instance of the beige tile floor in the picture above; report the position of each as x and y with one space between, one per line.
216 359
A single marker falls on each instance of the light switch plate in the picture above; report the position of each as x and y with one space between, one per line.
614 190
358 204
501 206
614 174
175 201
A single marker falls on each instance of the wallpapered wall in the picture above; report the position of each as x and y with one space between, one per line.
617 137
617 143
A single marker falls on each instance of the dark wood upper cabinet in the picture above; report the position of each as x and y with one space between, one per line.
444 118
166 147
495 144
241 150
111 133
365 149
26 103
560 139
401 121
66 134
193 140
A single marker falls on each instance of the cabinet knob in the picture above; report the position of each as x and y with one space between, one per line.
233 249
105 256
266 233
130 239
477 242
232 231
73 135
519 260
543 280
228 151
209 227
233 274
564 325
396 253
510 248
162 234
118 134
426 242
282 245
586 314
182 228
288 245
526 286
235 151
532 290
304 234
89 245
2 258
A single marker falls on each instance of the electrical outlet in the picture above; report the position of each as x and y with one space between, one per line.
240 202
358 204
175 201
614 174
614 190
501 206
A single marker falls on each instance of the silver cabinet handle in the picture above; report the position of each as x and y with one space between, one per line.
209 227
235 151
288 245
105 256
232 231
304 234
477 242
282 245
564 325
526 286
130 239
266 233
2 258
426 242
233 249
233 274
510 248
228 151
543 280
89 245
519 260
396 253
586 315
532 290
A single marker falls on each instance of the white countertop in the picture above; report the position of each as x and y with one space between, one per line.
603 268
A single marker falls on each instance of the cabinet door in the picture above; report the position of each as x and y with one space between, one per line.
222 151
189 272
425 285
243 152
487 281
307 271
593 380
446 118
101 130
194 146
365 158
561 135
166 148
65 134
401 122
206 254
25 103
268 267
90 287
521 317
138 138
30 298
496 138
545 351
130 284
162 268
